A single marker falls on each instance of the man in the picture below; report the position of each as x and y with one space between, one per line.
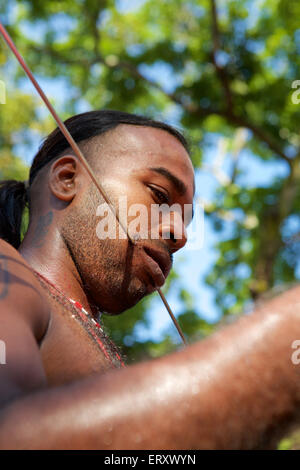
63 384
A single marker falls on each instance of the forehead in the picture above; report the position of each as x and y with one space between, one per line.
139 147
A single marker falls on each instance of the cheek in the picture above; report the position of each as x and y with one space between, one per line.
134 212
132 200
122 257
139 221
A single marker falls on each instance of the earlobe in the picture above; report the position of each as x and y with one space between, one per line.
62 178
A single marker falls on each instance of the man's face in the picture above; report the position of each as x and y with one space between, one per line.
138 165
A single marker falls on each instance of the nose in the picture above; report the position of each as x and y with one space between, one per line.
174 232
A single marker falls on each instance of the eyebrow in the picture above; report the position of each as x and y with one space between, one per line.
179 185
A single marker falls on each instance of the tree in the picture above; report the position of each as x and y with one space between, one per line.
219 70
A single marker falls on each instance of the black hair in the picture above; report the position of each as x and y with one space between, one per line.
14 194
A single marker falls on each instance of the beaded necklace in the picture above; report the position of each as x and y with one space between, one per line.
94 328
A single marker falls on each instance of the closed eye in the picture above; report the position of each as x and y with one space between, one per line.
160 196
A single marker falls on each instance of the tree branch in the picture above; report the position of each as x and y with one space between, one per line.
221 72
258 132
192 108
202 112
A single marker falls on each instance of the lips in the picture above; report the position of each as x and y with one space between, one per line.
159 264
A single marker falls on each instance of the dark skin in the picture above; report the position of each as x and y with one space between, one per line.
236 389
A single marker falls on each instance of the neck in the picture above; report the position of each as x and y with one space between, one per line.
47 253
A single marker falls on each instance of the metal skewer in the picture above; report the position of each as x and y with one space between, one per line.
80 156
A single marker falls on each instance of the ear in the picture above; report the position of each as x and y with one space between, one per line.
62 178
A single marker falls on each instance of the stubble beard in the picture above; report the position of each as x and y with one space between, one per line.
104 266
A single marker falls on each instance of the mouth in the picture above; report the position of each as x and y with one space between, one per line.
158 264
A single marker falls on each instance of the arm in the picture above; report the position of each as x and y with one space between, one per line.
23 322
229 391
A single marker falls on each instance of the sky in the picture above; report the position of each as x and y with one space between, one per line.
197 263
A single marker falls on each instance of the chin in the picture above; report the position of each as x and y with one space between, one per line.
126 305
127 299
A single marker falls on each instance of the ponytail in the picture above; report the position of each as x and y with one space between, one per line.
13 199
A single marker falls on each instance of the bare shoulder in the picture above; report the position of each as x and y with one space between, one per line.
20 292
